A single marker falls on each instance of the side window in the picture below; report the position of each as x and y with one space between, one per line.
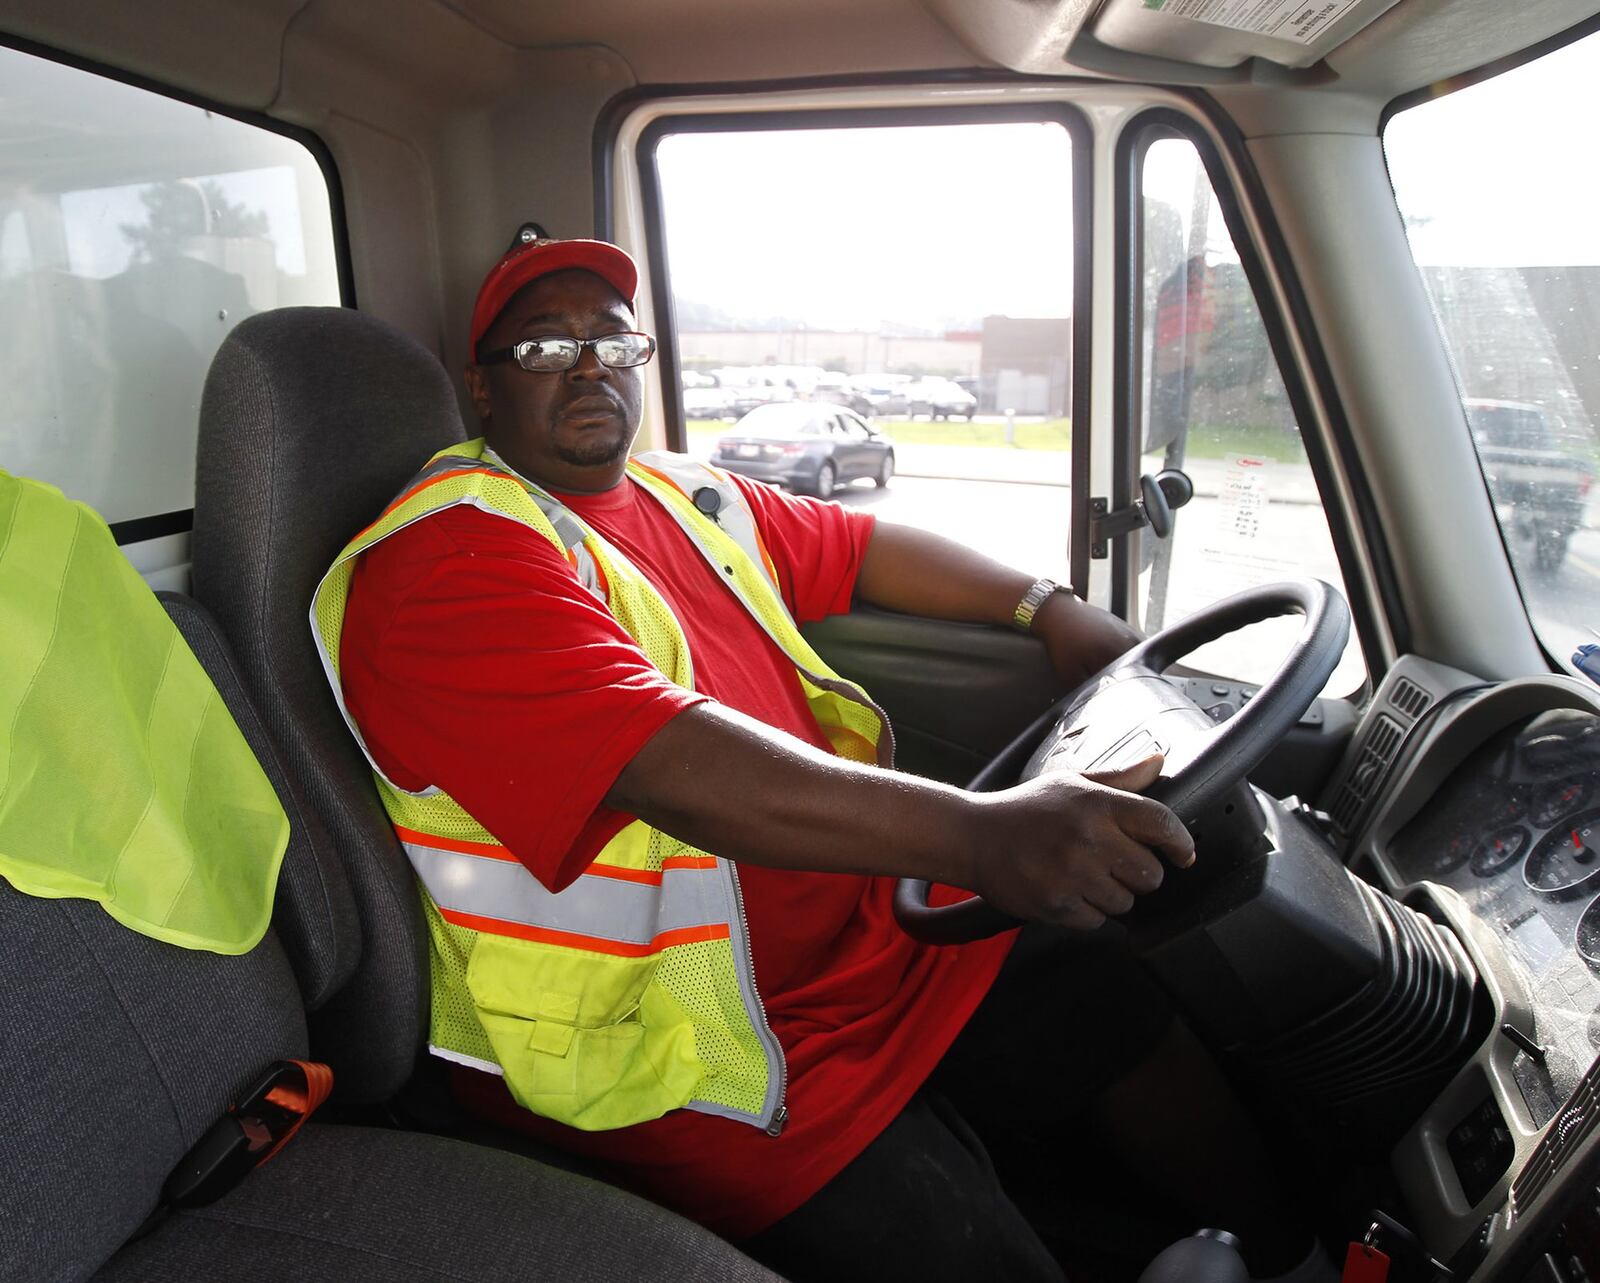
851 303
1212 402
135 232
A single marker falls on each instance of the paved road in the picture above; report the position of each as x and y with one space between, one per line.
1026 525
1566 604
1245 526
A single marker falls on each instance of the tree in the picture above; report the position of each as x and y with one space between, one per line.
180 209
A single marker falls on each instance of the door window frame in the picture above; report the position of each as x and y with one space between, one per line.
1138 134
1066 114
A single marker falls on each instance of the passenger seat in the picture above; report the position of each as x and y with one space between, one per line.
121 1051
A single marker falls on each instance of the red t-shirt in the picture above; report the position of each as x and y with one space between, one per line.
474 660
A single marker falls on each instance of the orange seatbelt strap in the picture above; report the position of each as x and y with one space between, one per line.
250 1133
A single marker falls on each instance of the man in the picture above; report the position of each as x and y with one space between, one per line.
657 837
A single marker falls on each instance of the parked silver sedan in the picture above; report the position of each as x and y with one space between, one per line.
808 446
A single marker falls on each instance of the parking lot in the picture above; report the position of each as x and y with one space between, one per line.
1014 505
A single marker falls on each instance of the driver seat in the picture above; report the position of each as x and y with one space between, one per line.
311 420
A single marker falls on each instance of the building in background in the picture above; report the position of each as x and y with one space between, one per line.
1025 365
1011 363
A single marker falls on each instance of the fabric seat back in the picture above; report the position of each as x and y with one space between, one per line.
121 1050
311 420
314 914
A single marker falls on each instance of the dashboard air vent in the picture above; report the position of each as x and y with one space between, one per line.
1376 754
1408 697
1567 1130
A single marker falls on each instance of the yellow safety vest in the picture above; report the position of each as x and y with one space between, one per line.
123 778
631 992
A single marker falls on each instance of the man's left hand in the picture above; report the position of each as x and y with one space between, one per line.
1081 639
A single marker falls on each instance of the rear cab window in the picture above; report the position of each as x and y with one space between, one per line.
135 232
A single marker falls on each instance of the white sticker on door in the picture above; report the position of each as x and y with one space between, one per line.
1302 21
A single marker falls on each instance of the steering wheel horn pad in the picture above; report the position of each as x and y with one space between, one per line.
1129 710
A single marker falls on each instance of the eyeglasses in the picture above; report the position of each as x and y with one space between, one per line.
556 353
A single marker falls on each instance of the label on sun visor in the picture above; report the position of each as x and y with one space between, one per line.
1302 21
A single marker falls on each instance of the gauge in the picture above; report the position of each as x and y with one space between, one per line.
1588 943
1449 856
1565 860
1561 797
1498 850
1510 806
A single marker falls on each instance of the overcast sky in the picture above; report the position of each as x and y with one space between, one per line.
1504 173
844 227
943 225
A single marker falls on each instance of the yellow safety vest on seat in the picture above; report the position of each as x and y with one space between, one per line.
123 777
630 993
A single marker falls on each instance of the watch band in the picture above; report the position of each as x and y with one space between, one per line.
1028 607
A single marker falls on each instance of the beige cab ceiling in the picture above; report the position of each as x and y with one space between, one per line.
453 54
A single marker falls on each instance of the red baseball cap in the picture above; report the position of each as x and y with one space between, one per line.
533 259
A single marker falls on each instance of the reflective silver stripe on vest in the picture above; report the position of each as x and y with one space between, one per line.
568 528
601 908
437 468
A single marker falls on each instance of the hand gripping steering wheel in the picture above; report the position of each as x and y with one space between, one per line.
1129 710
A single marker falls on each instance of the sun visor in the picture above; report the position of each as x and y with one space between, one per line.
1225 33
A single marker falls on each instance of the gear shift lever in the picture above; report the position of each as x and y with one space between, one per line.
1209 1256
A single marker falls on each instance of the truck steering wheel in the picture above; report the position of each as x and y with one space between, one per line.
1129 710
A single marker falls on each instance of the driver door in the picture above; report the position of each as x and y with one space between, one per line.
1208 398
868 294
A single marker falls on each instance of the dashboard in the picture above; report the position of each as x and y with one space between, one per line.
1479 806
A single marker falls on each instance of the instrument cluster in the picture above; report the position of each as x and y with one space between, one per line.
1515 831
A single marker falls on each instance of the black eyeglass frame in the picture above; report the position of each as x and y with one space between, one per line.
515 351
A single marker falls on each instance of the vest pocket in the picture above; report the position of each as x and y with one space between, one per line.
586 1039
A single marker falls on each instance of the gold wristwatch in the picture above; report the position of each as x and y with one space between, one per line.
1028 607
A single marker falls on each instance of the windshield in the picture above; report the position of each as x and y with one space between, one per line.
1511 427
1500 202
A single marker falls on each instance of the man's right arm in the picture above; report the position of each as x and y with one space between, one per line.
1062 848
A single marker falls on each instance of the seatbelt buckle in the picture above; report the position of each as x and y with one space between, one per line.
250 1133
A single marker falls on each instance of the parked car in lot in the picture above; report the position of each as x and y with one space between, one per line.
884 396
806 446
940 399
1538 478
838 389
708 403
747 388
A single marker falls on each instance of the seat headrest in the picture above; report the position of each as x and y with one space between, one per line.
312 418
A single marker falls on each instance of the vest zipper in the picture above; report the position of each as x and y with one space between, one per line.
774 1048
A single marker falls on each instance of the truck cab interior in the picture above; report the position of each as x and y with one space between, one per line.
1276 329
